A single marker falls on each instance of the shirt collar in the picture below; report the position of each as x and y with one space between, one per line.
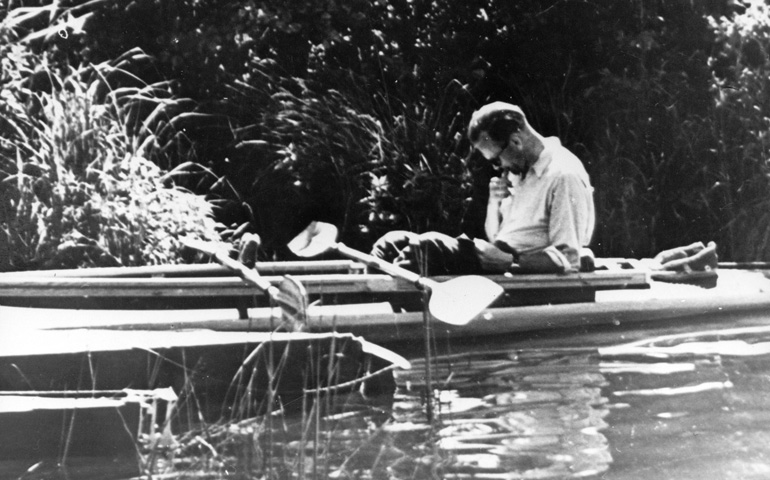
550 144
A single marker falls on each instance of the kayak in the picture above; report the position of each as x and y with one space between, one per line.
343 284
214 374
379 307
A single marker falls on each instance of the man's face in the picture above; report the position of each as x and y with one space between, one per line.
503 154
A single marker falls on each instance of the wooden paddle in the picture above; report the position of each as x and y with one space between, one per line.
219 252
290 296
456 302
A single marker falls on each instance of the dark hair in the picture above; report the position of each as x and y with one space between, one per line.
499 120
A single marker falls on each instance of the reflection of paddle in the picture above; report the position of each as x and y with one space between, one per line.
291 296
457 301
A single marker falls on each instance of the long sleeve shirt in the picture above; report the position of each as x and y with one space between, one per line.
552 205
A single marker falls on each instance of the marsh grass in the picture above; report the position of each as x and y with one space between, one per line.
672 161
368 161
78 186
423 181
264 431
741 90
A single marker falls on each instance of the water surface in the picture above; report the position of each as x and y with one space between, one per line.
689 402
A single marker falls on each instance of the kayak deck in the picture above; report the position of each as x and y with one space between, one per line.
737 293
344 297
347 283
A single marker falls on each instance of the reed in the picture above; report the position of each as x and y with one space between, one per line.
739 145
264 430
375 161
424 178
77 181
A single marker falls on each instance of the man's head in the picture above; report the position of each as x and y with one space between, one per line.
500 130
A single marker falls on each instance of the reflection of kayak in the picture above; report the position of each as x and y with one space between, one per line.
379 307
62 392
94 423
209 362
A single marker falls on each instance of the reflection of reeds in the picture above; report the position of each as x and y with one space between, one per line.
528 414
262 431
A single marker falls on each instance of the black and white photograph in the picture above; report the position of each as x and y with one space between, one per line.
384 239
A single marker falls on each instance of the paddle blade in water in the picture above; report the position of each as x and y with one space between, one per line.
460 300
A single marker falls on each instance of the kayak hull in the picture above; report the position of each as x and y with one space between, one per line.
738 293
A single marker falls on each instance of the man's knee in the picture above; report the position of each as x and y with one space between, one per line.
389 246
439 244
443 254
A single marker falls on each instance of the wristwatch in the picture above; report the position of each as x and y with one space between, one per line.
507 249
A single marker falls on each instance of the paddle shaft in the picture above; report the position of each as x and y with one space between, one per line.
246 274
456 301
745 265
386 267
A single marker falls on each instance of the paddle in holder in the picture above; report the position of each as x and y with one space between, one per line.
290 296
455 302
292 299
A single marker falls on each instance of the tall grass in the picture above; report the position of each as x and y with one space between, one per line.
740 144
367 161
78 187
269 431
679 156
422 184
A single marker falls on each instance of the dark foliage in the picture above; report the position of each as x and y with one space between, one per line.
354 111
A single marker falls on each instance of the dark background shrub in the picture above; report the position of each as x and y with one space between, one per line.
354 111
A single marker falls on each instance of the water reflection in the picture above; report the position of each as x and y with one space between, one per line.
524 414
694 406
680 407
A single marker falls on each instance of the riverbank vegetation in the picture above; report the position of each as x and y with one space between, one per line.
78 186
354 112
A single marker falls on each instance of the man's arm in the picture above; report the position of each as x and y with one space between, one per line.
550 260
495 260
571 216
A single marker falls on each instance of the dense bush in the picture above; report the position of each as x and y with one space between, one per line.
77 187
354 111
738 133
643 138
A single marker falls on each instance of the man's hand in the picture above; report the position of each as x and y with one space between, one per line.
498 189
492 258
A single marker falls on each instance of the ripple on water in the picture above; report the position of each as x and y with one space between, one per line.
685 406
522 415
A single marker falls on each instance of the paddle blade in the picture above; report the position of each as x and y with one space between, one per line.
460 300
292 298
315 239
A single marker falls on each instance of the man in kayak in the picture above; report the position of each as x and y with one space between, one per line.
540 213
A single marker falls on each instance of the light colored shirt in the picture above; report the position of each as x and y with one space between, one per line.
552 205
